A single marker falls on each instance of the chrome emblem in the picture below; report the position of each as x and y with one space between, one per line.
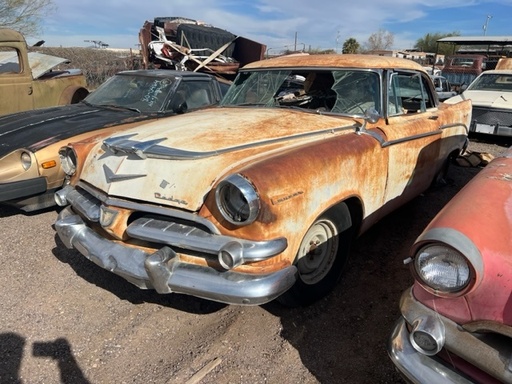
110 176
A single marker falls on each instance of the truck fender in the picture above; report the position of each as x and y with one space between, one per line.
72 95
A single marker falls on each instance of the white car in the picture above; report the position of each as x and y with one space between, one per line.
491 96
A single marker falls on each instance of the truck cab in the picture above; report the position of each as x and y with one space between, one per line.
28 79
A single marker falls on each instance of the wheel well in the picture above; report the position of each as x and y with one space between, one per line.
79 95
349 214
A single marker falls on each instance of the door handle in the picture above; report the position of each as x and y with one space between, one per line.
433 117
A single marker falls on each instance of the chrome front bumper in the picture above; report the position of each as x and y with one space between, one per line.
164 272
420 368
414 366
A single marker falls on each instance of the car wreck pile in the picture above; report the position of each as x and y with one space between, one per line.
189 45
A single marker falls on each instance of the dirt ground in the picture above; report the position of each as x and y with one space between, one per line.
63 319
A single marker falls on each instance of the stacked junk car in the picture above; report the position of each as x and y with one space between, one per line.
189 45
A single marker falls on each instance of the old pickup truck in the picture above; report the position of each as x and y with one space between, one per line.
28 79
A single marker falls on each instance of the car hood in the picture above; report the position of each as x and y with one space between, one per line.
176 162
39 128
492 99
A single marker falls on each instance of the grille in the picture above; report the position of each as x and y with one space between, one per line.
492 116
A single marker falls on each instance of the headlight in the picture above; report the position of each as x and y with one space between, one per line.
237 200
442 269
26 160
68 160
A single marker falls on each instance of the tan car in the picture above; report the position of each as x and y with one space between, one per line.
30 169
260 197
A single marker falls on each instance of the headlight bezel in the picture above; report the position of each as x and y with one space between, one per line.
437 252
68 160
247 195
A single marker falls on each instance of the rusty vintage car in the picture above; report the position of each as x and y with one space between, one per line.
456 324
30 169
259 198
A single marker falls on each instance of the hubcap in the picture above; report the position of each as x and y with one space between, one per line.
317 252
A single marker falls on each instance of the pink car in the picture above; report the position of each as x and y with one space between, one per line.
456 324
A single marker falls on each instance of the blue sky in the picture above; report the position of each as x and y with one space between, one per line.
282 24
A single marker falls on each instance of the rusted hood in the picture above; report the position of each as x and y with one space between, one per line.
41 63
176 161
39 128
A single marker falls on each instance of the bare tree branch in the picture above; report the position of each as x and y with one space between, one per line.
25 16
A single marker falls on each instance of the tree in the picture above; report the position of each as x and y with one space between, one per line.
351 46
24 16
380 40
428 43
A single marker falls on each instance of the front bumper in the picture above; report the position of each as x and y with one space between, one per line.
164 272
485 359
414 366
18 189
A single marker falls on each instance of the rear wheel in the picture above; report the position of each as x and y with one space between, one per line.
322 254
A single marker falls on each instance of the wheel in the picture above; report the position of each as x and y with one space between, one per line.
320 259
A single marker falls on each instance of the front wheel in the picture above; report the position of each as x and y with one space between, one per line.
322 254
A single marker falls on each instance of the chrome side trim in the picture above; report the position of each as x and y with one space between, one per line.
151 149
164 272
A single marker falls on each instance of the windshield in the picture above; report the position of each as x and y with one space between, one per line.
142 93
347 91
492 82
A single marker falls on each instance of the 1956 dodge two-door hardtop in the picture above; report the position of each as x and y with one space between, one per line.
456 324
260 197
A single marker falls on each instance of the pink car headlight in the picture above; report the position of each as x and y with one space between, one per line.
442 269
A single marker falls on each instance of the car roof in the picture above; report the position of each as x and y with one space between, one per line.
335 60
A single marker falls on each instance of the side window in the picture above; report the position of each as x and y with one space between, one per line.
408 93
197 94
9 61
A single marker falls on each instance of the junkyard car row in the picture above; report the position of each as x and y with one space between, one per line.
259 198
30 169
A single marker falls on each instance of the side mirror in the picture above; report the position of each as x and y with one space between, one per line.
371 115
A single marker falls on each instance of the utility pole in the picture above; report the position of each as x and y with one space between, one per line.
486 23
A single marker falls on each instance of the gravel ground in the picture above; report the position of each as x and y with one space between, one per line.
65 319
